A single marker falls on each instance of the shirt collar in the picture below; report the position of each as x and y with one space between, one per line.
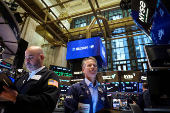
36 71
89 83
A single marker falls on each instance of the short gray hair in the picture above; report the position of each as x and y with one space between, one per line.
89 58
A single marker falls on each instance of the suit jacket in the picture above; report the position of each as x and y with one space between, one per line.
80 93
140 102
37 95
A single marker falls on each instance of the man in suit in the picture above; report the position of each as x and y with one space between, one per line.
38 90
86 96
144 98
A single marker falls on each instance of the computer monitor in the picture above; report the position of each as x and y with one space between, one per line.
64 89
111 86
140 87
119 103
158 84
129 87
158 56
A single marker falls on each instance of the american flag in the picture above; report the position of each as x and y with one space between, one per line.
53 82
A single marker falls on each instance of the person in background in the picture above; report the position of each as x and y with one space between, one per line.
38 90
86 96
144 98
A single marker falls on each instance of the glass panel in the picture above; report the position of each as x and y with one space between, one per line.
134 68
128 65
139 67
109 65
119 68
129 68
145 65
109 59
124 67
127 56
128 61
133 63
132 56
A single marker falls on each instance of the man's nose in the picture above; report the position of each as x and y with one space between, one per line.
92 66
27 60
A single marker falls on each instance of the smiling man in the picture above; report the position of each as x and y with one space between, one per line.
86 96
39 89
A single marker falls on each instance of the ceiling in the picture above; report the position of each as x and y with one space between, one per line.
50 14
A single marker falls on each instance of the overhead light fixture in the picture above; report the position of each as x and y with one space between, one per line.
125 4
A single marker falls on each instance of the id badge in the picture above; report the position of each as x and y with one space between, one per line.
83 108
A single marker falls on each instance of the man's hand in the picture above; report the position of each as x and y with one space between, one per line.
9 94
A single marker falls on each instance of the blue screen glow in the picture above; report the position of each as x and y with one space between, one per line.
85 48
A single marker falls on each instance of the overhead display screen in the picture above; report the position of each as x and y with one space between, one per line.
153 16
129 76
60 71
85 48
129 87
160 26
142 12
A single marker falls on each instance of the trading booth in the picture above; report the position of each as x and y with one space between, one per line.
122 87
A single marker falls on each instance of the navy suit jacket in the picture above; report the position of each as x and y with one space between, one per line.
78 93
143 100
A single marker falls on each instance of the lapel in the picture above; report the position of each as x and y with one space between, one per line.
86 89
39 73
100 92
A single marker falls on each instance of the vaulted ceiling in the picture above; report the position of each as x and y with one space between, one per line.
50 14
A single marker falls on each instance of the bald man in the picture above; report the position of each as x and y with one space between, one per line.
39 89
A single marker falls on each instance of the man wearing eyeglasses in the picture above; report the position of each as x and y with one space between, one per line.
86 96
39 90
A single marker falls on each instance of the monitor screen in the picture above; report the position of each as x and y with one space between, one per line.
158 56
152 16
87 47
140 87
158 84
129 87
64 89
61 71
116 103
119 103
111 86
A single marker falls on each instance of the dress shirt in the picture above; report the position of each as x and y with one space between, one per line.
35 71
94 93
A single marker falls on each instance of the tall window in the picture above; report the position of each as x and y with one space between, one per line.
114 15
80 22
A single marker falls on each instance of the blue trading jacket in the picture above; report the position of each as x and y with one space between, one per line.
80 93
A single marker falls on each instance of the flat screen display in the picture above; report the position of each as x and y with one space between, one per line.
153 16
64 89
111 86
119 103
129 87
158 56
140 87
160 26
61 71
85 48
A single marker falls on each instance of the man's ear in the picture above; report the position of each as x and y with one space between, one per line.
42 57
83 70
